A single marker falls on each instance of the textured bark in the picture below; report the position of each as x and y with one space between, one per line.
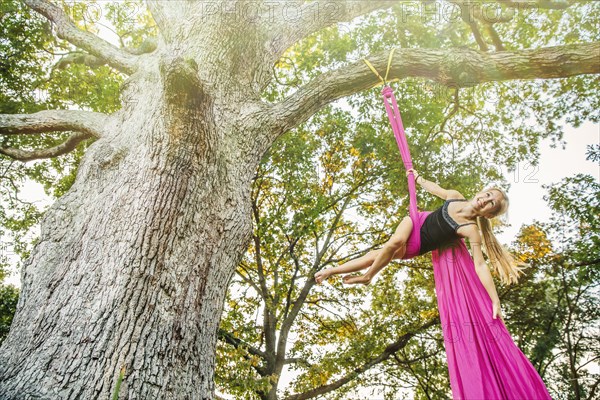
133 262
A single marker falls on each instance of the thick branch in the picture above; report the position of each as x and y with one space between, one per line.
79 58
85 124
87 41
388 352
451 67
66 147
173 17
300 21
91 123
148 46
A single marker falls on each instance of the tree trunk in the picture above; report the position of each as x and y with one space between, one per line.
133 262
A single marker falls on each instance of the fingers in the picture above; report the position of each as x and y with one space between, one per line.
496 313
318 278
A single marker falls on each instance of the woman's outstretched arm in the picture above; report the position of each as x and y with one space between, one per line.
434 188
483 272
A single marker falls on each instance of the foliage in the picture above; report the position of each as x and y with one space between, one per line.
32 79
9 296
309 191
554 313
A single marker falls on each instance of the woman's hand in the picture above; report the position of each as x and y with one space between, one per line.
496 311
414 171
321 276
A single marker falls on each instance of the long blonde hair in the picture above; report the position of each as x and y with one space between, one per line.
503 263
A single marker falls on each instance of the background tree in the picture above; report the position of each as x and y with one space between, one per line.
133 260
576 229
553 312
308 192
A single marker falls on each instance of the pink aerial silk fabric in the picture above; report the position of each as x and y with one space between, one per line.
484 363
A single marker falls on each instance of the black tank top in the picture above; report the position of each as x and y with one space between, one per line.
439 229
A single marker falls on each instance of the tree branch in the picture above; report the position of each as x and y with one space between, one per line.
585 263
477 34
165 12
79 58
314 16
228 338
248 280
235 342
88 122
66 147
388 352
66 29
495 37
148 46
451 67
593 389
297 361
299 302
297 266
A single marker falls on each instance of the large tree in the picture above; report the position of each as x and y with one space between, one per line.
133 262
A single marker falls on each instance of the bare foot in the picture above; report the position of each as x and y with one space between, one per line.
322 276
356 279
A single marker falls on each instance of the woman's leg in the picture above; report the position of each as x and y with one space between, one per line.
393 248
354 265
351 266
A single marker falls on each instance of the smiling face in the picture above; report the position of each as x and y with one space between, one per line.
489 203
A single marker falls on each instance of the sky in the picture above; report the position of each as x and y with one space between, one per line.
526 192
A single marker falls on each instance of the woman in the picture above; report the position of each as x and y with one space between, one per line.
457 218
483 360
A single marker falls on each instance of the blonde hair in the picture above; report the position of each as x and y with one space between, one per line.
503 263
